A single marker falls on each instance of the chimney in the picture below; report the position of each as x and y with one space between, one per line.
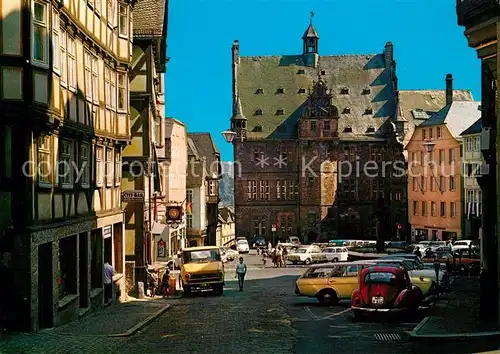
388 55
449 89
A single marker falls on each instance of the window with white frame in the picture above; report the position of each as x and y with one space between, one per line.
189 221
56 54
123 22
99 166
64 60
107 86
122 92
71 64
468 144
65 167
84 165
109 168
44 163
113 89
40 38
95 80
88 76
118 168
477 143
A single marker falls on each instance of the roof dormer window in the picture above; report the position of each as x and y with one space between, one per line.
348 129
369 111
259 91
258 112
344 91
323 72
258 129
301 71
280 112
366 91
370 129
280 90
346 110
302 90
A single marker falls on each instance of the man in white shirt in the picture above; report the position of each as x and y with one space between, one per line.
241 270
108 282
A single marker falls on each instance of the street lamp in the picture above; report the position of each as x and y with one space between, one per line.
229 135
429 146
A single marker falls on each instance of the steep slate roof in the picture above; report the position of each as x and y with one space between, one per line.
355 72
192 151
457 116
206 148
149 18
414 104
474 128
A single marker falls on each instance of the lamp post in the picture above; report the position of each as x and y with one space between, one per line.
229 136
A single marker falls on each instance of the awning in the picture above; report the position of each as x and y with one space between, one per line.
158 228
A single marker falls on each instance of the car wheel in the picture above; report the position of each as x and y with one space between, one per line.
328 297
219 290
294 262
187 290
335 260
308 261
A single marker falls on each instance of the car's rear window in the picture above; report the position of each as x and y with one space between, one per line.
317 273
380 277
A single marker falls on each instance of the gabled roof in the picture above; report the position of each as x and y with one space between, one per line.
475 128
206 148
290 73
416 106
457 116
150 18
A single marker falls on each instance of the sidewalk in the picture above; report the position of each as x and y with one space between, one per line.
97 332
456 315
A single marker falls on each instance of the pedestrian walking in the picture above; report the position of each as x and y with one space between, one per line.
258 250
285 253
269 247
165 282
279 256
437 268
417 252
108 282
241 270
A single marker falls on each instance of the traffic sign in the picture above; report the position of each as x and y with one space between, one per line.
399 226
273 227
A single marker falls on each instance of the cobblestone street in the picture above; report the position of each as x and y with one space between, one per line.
265 318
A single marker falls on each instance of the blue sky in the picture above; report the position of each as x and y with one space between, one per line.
428 44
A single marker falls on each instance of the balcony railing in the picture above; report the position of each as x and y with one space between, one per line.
472 12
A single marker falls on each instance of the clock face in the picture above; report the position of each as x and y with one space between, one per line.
173 213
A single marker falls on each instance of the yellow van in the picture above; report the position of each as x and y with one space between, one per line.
202 270
330 282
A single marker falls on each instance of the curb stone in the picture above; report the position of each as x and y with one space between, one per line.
142 324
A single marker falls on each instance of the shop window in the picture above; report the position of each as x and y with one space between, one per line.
67 279
96 261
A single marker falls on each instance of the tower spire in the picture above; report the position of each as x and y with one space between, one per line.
310 37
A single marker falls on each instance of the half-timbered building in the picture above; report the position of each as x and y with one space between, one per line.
141 170
64 122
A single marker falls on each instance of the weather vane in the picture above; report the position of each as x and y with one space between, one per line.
311 15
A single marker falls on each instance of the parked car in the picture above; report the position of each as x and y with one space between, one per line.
307 255
467 260
464 244
228 254
444 257
242 246
419 269
294 240
385 289
419 278
330 282
336 254
259 242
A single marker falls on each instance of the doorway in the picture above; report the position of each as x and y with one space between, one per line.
45 286
83 241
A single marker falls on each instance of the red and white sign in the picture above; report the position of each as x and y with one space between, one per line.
273 227
399 226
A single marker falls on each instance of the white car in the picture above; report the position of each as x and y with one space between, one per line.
336 254
462 244
242 246
307 255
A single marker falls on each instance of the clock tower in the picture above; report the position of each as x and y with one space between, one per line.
319 120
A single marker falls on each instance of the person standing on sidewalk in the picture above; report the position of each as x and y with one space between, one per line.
241 270
108 282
